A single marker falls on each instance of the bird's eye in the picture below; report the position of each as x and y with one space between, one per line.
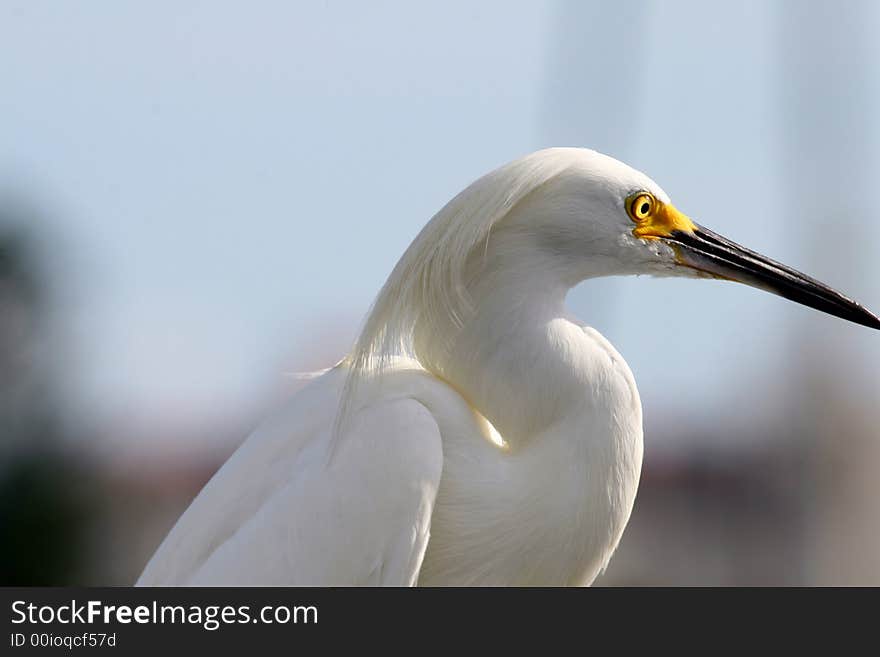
641 206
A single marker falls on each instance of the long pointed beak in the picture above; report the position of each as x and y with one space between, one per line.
706 251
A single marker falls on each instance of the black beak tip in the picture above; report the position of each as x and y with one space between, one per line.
872 320
856 314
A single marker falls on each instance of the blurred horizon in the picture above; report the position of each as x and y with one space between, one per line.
198 198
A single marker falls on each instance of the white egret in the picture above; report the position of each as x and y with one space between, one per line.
477 434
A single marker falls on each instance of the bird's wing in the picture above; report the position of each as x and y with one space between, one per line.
278 514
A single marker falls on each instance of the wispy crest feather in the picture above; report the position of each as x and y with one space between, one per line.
426 289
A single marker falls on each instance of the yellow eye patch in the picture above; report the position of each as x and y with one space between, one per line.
655 219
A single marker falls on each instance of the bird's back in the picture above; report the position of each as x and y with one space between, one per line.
280 512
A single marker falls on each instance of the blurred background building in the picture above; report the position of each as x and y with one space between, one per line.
196 198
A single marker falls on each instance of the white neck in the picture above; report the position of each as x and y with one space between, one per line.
564 401
513 358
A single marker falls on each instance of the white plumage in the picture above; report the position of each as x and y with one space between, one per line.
477 435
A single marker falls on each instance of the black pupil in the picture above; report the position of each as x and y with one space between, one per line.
643 209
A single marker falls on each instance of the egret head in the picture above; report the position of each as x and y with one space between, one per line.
548 221
598 216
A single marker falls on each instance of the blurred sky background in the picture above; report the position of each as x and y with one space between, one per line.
211 193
